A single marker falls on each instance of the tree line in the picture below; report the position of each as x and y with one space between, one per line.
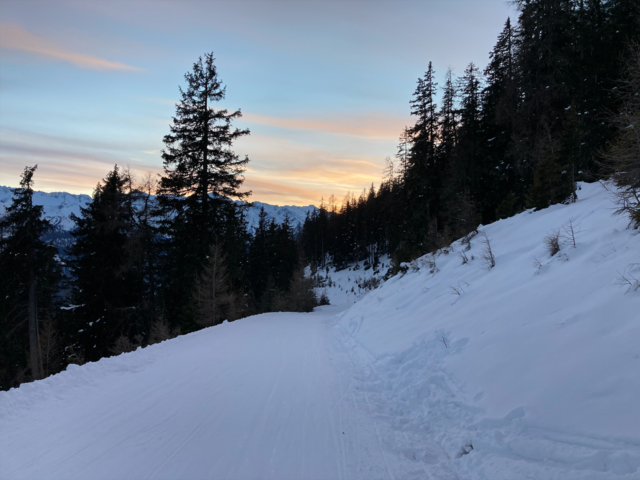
149 260
557 104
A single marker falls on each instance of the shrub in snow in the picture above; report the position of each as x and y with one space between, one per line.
124 345
324 299
536 263
570 233
160 331
627 278
552 242
488 259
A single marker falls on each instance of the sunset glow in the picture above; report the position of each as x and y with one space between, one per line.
324 87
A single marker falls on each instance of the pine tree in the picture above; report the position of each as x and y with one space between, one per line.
30 278
423 172
470 152
201 175
544 40
499 106
259 250
448 120
108 278
402 154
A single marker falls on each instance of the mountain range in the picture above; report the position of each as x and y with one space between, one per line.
58 206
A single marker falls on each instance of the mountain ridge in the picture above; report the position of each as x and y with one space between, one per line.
58 206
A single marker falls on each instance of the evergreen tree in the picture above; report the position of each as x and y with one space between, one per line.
259 250
546 62
499 107
201 175
402 154
29 280
108 277
470 154
423 172
448 120
273 260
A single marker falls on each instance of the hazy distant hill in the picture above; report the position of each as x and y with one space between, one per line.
59 205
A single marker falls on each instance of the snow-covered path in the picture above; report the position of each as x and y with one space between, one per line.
265 397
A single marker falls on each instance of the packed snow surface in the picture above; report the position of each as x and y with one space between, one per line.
452 370
58 206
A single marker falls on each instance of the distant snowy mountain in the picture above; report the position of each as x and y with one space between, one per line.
296 214
58 206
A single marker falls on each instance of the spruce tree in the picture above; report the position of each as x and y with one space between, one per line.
499 106
448 120
30 278
423 172
470 154
109 284
201 176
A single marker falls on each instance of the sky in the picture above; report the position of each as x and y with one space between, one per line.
324 86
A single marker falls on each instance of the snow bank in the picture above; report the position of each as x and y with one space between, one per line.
530 369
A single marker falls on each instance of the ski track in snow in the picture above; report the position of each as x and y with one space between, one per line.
538 378
265 397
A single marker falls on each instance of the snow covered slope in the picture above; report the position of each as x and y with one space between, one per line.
529 371
59 205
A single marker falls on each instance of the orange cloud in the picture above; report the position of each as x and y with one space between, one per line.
280 193
290 172
16 38
281 172
372 125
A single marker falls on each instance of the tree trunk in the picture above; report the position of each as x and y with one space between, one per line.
214 282
34 344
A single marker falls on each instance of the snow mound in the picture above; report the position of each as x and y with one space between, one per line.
528 369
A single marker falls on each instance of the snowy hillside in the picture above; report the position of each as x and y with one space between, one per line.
59 205
452 370
534 363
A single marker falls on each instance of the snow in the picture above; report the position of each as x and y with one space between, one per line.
530 372
278 213
265 397
58 206
540 369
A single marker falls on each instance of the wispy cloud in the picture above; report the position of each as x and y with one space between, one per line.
281 172
372 125
280 193
68 164
16 38
287 172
